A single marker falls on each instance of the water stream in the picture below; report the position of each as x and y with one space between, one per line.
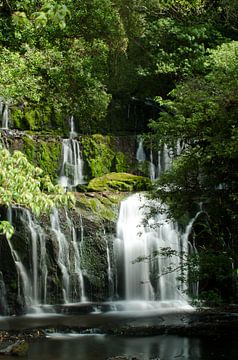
71 173
4 114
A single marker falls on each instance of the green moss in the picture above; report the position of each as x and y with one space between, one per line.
16 118
119 182
29 148
98 154
45 154
39 118
120 162
48 157
101 156
101 207
20 348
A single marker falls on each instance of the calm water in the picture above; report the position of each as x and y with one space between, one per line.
100 347
75 346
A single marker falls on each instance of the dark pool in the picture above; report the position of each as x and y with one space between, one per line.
100 347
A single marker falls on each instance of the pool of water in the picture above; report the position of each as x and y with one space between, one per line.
100 347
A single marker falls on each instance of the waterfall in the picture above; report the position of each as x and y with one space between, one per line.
63 253
140 153
109 268
148 280
152 166
71 173
38 258
4 113
32 281
77 254
69 255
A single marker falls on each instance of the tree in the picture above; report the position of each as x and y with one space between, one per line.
61 50
22 184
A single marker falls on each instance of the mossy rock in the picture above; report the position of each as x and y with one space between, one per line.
38 118
119 182
99 207
43 153
101 156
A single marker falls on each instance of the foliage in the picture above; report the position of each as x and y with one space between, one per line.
59 62
22 184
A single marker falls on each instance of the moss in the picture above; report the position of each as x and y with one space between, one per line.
45 154
101 207
101 156
20 348
39 118
98 154
16 118
29 148
119 182
120 162
48 157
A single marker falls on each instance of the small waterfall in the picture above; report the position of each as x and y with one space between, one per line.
146 280
109 268
140 153
38 258
71 173
152 166
77 257
33 281
69 260
4 113
63 253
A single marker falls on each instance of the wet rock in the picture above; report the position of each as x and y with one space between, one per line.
18 348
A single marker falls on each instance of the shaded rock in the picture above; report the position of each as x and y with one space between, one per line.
18 348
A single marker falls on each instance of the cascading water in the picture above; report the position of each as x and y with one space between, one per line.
69 261
71 173
4 113
109 268
152 166
143 280
63 253
32 281
140 153
77 256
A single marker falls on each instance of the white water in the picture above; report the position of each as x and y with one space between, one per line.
69 261
32 282
77 257
140 153
71 173
109 268
63 252
148 281
4 113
